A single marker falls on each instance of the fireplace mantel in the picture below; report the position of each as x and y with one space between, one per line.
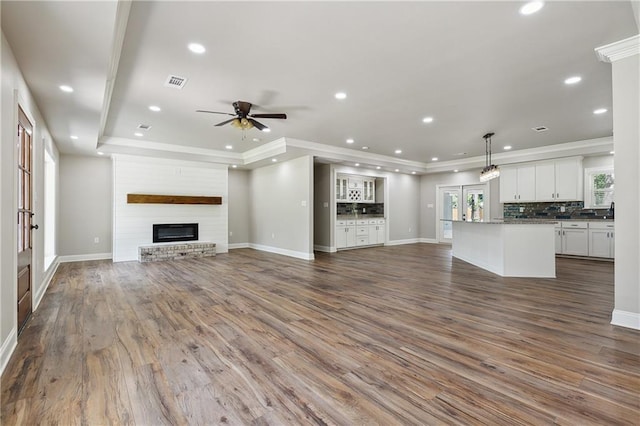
171 199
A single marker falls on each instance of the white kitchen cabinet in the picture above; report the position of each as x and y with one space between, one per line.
601 240
355 182
341 188
345 233
369 190
575 238
517 184
362 232
376 231
559 180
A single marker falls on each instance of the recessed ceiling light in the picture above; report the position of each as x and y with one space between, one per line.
413 173
273 160
427 119
573 80
398 151
600 111
66 88
456 171
74 137
196 48
350 141
434 159
229 146
100 153
234 166
154 108
357 164
266 130
507 147
365 147
378 167
138 134
612 152
531 7
341 95
397 170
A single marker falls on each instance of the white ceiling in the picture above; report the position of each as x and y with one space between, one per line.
473 66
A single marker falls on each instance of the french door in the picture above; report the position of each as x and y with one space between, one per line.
25 217
460 202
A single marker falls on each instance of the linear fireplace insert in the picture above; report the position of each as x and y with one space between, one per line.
167 232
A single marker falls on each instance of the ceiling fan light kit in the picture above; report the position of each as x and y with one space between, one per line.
490 171
243 119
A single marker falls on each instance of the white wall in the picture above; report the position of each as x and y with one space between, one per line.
133 223
85 206
281 208
239 208
403 208
14 92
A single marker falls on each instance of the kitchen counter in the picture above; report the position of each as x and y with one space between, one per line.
359 216
512 248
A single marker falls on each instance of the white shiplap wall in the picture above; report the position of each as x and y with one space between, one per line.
132 223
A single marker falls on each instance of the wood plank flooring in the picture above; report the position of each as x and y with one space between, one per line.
389 335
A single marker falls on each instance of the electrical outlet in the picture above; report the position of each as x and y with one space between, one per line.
562 209
303 203
273 235
409 229
521 209
231 233
96 240
325 204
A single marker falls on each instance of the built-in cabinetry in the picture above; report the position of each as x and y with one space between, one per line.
542 181
356 189
518 184
580 238
602 240
360 232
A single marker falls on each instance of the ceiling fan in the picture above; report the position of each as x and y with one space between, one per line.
242 119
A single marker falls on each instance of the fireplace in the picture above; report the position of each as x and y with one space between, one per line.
167 232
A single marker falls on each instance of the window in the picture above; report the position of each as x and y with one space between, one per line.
599 187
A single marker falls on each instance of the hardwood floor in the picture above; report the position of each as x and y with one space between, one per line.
390 335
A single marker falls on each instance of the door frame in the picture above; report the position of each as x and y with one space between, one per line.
463 208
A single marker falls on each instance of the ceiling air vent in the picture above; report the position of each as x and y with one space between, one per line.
175 82
540 129
144 126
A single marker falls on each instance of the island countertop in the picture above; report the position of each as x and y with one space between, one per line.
510 221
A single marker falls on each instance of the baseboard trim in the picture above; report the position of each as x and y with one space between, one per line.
625 319
428 240
48 276
84 257
7 348
401 242
284 252
238 246
324 249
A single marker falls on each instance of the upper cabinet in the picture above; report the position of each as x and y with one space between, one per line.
355 189
518 184
557 180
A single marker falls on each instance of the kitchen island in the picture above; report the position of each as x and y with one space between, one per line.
510 248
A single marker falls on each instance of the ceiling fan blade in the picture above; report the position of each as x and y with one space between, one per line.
242 107
214 112
275 115
257 124
225 122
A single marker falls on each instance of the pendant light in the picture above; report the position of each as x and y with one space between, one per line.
490 171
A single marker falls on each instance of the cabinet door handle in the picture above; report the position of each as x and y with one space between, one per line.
553 196
515 197
557 195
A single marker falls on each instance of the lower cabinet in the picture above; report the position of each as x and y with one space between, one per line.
575 238
601 240
361 232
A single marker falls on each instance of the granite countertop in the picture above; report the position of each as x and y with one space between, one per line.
359 216
573 219
509 221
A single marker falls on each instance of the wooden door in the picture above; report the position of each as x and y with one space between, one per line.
25 217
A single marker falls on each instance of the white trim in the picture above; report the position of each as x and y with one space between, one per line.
45 282
625 319
238 246
324 249
401 242
284 252
84 257
428 240
8 346
619 50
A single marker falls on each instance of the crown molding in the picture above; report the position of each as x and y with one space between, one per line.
619 50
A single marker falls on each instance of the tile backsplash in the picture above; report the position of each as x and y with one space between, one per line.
573 210
353 208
